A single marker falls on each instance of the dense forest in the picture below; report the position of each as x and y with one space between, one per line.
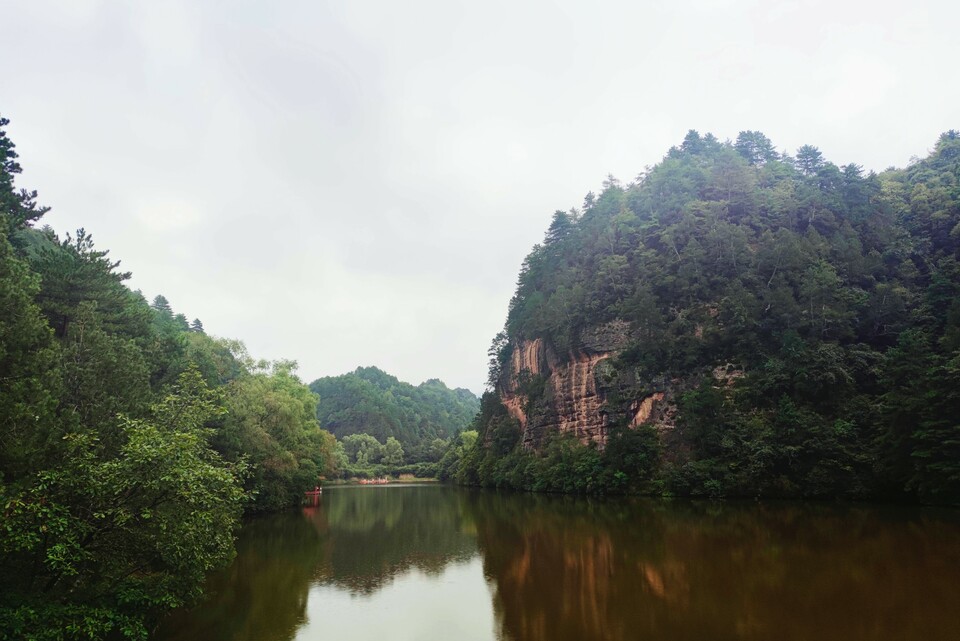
130 441
782 326
370 401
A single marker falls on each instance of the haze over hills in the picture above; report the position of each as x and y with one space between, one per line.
738 322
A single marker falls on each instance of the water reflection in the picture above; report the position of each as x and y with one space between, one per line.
358 539
569 568
263 594
378 533
432 563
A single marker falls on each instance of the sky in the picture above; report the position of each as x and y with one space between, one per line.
356 183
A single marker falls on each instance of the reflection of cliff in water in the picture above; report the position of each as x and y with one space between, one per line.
566 568
377 533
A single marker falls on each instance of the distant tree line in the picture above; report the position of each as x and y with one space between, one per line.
370 401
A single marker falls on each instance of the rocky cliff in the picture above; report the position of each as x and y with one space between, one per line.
583 392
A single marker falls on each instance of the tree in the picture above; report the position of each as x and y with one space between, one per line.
18 209
392 452
104 375
460 447
436 449
560 227
692 143
796 277
114 505
498 355
100 544
809 160
755 148
362 449
271 421
74 272
29 378
162 305
936 438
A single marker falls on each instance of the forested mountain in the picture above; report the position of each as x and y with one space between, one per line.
130 441
370 401
738 321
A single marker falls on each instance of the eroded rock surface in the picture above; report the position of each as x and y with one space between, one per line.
580 393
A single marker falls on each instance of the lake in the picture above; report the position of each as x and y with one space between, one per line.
432 562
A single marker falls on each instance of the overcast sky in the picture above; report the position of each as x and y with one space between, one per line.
356 183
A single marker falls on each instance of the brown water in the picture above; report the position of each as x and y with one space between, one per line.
431 563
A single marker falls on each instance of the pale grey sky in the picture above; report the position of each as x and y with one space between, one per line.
355 183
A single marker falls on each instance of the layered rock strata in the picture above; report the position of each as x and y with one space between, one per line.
580 393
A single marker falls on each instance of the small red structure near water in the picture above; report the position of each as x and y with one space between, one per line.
314 495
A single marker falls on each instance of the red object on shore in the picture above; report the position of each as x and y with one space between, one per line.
314 494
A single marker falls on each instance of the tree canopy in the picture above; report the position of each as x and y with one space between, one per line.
833 293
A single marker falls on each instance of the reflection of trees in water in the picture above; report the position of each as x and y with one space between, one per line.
377 533
358 539
263 594
567 568
573 568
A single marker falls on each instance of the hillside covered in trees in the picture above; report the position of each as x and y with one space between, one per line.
130 441
370 401
737 322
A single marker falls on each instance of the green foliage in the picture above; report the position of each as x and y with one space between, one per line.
392 452
28 377
370 401
562 464
362 449
74 274
449 466
18 208
630 458
271 421
123 536
365 457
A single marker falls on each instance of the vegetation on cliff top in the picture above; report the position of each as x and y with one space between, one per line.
834 291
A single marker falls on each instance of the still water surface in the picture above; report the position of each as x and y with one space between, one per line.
425 563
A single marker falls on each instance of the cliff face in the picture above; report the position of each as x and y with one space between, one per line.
580 392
